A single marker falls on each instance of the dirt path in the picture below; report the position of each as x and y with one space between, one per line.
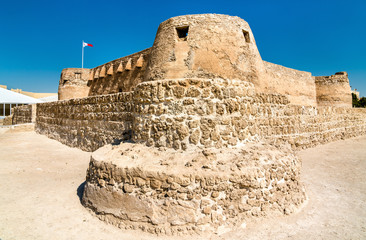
39 181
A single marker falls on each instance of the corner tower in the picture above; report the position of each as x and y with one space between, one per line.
73 83
204 46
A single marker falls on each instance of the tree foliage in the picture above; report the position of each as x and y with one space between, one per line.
358 103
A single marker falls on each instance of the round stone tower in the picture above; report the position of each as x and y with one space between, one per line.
204 46
73 83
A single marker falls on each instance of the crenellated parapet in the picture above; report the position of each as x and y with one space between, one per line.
120 75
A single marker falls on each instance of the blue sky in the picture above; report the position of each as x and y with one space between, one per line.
40 38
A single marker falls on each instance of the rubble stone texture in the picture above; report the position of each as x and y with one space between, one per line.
199 190
199 130
24 114
183 113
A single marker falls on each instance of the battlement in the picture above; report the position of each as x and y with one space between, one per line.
120 75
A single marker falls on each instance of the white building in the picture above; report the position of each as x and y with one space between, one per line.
9 99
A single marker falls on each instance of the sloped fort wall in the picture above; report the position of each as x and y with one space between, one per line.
333 90
184 112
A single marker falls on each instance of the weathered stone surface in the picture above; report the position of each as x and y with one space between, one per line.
333 90
92 122
24 114
258 179
8 120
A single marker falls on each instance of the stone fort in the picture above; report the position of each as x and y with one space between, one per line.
197 132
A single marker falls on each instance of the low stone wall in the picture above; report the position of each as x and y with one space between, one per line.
309 127
8 120
87 123
186 113
24 114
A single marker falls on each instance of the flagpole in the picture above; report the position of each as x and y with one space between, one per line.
82 55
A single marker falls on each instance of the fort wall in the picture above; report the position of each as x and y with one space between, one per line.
197 154
120 75
24 114
333 90
182 113
297 85
86 123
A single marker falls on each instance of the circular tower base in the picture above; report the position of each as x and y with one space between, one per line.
168 192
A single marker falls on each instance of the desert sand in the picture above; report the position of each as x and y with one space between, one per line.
41 181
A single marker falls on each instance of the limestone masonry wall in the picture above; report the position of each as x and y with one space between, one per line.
204 190
333 90
120 75
24 114
221 113
194 112
87 123
297 85
8 120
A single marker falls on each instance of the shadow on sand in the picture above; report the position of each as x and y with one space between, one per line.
80 191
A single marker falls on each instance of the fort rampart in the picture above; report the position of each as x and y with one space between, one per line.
179 113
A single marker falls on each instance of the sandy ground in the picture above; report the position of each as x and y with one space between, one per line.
40 182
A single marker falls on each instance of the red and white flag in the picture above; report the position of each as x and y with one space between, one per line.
87 44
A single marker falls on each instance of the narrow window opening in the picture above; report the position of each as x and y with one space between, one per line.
120 90
246 36
89 83
182 33
65 81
